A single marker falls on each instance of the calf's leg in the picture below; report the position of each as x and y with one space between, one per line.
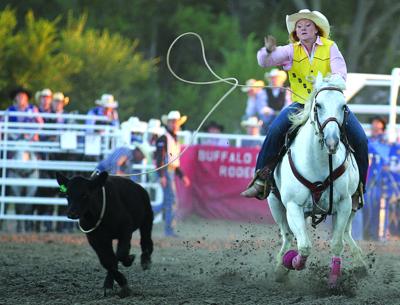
109 261
123 247
146 243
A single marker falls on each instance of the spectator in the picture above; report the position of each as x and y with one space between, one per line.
133 131
21 98
378 130
120 161
154 131
168 150
107 106
256 104
44 100
57 106
214 128
253 126
277 97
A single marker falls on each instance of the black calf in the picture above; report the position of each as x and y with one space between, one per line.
125 208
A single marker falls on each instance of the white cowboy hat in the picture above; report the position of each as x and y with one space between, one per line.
174 115
154 126
252 121
59 96
253 84
107 100
133 124
276 73
318 18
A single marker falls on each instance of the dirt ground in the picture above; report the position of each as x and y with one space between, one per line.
213 262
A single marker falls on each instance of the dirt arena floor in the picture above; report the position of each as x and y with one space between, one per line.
213 262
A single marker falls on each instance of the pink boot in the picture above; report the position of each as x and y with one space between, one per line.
293 260
335 272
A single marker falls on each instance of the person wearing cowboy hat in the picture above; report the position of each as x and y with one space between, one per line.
21 97
256 104
277 96
214 127
167 152
253 126
106 106
309 53
59 102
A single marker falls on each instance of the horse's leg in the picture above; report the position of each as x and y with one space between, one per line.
278 212
297 224
356 252
341 220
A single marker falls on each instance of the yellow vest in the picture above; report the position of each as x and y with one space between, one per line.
301 68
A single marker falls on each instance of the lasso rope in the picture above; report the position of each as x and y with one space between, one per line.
229 80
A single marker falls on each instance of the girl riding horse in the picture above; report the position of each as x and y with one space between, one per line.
309 53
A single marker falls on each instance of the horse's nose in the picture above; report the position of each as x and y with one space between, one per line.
332 144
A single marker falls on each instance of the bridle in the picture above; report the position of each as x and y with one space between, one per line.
322 126
317 188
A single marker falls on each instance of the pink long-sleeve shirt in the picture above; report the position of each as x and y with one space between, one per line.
283 56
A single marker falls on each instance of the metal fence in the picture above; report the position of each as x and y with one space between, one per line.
72 147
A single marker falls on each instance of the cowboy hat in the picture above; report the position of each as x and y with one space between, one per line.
276 73
59 96
318 18
154 127
252 121
252 83
174 115
18 90
133 124
107 100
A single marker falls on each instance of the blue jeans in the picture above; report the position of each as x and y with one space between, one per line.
275 139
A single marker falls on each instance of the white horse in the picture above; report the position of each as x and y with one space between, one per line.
307 163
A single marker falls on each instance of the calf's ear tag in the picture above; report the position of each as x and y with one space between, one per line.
63 188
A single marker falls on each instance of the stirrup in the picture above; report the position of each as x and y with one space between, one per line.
259 187
358 198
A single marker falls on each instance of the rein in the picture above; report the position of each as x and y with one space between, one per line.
330 119
317 188
103 209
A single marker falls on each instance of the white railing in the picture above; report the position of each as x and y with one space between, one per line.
75 139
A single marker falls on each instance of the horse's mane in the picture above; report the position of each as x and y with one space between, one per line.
300 118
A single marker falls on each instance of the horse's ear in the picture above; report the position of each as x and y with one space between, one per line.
99 180
61 179
318 80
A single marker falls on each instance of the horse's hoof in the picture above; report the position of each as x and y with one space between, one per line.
288 258
360 271
129 260
124 292
281 274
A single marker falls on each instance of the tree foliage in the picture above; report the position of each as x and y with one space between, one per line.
121 48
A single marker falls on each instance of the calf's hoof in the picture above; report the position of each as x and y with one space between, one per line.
124 292
127 262
145 263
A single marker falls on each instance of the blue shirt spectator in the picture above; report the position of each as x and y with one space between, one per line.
107 106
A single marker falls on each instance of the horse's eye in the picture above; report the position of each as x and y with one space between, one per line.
344 107
318 106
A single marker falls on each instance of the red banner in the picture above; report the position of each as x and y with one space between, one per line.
218 175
